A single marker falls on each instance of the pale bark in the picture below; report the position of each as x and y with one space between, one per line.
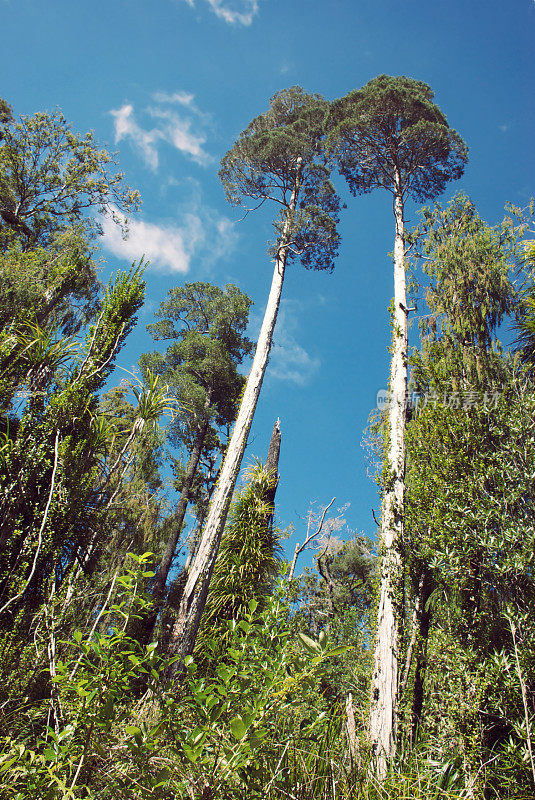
384 687
193 599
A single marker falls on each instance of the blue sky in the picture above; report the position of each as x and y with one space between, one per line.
170 84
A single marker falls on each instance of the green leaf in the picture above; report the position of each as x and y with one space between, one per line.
192 754
309 644
238 728
338 651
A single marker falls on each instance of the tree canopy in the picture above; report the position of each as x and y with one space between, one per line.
285 141
50 178
391 132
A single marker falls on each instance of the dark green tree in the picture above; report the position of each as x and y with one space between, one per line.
391 135
54 495
206 327
56 287
469 292
54 454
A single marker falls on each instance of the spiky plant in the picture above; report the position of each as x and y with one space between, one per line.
248 557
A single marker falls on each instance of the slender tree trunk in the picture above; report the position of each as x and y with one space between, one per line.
294 562
419 674
415 627
146 625
384 687
325 572
196 589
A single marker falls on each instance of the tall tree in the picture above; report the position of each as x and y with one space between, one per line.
278 157
52 181
390 134
206 326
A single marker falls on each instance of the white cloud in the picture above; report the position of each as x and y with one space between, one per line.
182 98
289 360
202 234
244 13
126 127
182 131
235 12
177 131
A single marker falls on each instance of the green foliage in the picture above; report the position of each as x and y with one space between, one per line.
390 134
206 326
52 448
247 561
525 321
56 286
278 147
50 178
337 602
90 700
262 710
469 507
218 737
470 266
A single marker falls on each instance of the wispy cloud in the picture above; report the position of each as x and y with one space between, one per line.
126 127
183 130
182 98
177 131
235 12
285 67
203 235
289 360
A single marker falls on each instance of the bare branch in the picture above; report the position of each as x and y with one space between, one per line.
309 537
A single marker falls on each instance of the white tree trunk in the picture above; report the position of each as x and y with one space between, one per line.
384 688
193 599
